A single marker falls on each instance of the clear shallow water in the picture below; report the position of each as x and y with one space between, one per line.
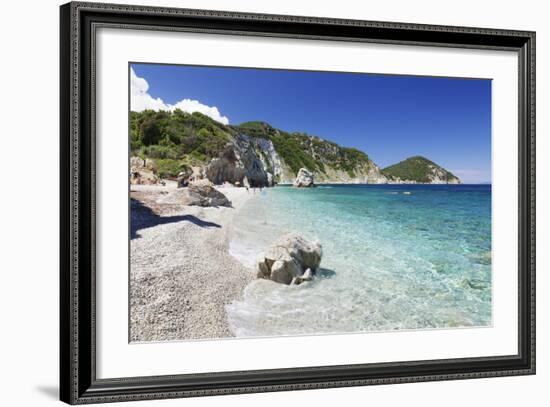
394 257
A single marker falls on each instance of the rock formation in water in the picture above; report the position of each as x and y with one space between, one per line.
304 179
292 259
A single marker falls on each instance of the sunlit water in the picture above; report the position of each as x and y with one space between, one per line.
394 257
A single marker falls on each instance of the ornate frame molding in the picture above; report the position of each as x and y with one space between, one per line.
77 173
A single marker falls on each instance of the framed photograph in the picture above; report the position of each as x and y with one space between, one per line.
254 203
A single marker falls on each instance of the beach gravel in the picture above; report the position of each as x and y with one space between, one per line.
182 275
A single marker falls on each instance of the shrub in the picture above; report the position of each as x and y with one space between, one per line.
168 168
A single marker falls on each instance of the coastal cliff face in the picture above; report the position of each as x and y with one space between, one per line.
246 157
257 154
330 162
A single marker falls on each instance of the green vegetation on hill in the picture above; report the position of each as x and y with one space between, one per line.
176 139
302 150
417 169
351 158
287 145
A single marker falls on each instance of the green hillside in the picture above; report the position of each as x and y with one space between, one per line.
177 139
418 169
302 150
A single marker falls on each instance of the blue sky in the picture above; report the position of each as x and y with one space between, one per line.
447 120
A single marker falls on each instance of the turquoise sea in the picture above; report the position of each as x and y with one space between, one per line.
394 257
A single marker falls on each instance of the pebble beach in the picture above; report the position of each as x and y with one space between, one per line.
182 275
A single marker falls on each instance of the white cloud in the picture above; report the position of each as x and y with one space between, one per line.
188 105
140 100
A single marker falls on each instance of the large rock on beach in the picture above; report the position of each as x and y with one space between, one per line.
304 178
198 193
290 260
203 193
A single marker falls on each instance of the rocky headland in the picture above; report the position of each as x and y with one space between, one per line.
186 147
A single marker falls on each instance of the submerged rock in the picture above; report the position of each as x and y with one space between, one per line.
474 284
291 259
304 178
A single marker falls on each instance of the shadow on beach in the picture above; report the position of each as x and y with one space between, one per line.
143 217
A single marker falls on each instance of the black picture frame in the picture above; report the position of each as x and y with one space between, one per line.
78 382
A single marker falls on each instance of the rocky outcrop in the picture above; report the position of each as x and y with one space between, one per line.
290 260
226 168
304 179
184 177
143 172
368 174
330 162
265 156
270 181
256 159
136 162
271 161
245 157
374 175
190 174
